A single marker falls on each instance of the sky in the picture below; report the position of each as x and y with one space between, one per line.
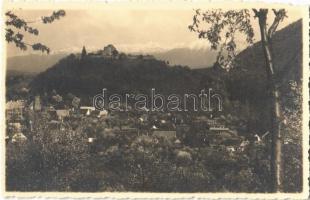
130 30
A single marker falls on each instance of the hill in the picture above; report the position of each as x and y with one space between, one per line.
287 53
245 83
247 80
194 58
33 63
36 63
88 77
249 77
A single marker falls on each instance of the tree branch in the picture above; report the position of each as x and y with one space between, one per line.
255 12
279 16
260 13
19 23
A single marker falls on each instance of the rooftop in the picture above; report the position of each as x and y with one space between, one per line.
19 104
166 134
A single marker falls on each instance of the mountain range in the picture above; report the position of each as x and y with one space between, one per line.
246 82
194 58
36 63
33 63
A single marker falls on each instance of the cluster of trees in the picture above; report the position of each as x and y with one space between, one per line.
118 76
60 158
63 160
17 85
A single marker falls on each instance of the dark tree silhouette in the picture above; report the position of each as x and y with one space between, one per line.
224 25
84 53
16 27
115 53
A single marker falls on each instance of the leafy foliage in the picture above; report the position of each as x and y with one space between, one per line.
16 24
55 16
221 30
61 159
292 135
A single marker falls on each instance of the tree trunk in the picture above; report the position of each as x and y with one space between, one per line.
273 91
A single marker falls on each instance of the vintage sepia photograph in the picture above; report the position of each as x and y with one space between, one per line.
156 99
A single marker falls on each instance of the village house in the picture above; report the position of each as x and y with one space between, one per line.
62 114
13 127
91 140
216 126
35 105
87 110
96 113
17 135
102 114
178 143
212 124
170 135
144 118
14 110
109 51
219 128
